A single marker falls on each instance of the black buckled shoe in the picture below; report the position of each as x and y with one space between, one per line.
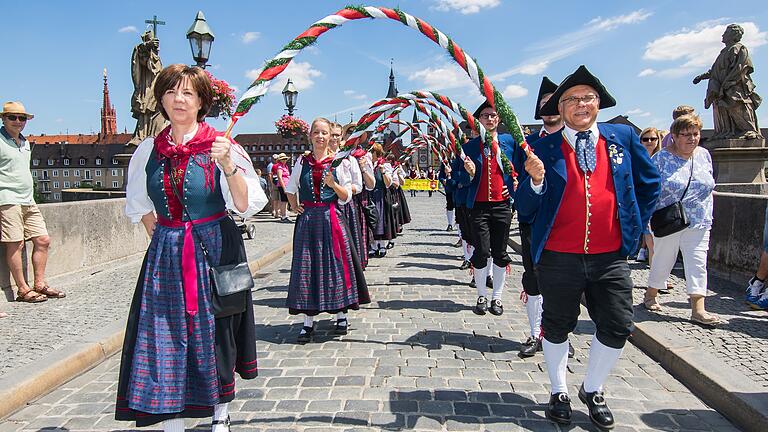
226 422
450 228
371 253
559 408
342 327
481 307
496 307
305 335
472 283
599 412
457 244
571 351
381 253
390 245
465 265
489 282
530 347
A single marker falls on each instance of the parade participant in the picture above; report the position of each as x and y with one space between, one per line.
444 176
430 175
351 210
488 201
405 211
326 274
282 173
550 125
179 358
384 229
400 213
413 174
361 197
591 189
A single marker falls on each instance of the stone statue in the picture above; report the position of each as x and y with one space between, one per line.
145 66
731 92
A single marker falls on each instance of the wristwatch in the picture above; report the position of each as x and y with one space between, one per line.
230 174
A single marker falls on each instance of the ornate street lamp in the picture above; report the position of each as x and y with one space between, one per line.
289 95
200 40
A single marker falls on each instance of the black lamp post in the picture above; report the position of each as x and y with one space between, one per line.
289 95
200 40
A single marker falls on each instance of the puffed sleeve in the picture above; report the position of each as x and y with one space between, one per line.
355 174
344 179
388 169
293 183
257 199
369 169
137 202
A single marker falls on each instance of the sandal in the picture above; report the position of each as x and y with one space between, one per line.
31 296
50 292
3 315
708 320
651 304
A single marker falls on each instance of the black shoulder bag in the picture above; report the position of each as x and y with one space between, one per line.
672 218
231 282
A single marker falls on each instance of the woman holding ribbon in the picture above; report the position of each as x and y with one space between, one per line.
326 275
179 357
385 226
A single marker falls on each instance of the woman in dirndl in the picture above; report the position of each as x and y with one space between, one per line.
326 274
362 197
385 229
178 359
404 212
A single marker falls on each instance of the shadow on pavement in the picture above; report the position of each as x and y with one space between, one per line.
430 266
432 305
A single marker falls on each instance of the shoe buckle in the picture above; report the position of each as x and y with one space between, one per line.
598 399
562 397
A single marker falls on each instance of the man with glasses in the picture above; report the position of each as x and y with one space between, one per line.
20 219
589 204
488 204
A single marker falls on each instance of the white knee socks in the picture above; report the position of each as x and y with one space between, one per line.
220 412
341 316
601 361
556 356
450 216
480 276
534 309
499 276
309 321
173 425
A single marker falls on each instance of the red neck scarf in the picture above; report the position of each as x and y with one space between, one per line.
358 152
318 168
200 143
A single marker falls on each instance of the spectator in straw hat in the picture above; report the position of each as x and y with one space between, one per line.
20 218
283 174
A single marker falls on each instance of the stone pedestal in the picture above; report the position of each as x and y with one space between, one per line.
738 160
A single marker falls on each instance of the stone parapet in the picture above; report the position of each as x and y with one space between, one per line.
737 231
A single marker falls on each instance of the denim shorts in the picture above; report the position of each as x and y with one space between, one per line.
765 233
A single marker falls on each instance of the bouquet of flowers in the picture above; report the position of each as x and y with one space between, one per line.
291 127
223 98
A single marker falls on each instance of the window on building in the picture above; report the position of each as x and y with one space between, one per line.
77 184
98 161
82 161
50 162
77 173
269 147
57 196
66 161
115 185
55 185
45 174
46 187
87 175
277 147
261 158
114 161
114 173
66 185
34 173
98 173
65 173
55 173
98 183
261 148
35 162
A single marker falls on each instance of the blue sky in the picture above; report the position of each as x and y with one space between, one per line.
646 53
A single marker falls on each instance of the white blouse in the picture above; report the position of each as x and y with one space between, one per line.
343 178
138 202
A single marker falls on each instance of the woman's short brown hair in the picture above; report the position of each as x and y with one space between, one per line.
685 122
172 75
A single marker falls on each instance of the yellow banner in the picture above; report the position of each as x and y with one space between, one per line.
420 184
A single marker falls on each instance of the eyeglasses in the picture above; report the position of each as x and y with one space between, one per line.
12 117
690 135
649 139
488 116
575 100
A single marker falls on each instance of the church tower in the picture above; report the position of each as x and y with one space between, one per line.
393 129
108 117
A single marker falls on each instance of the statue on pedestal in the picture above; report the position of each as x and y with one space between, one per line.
731 92
145 66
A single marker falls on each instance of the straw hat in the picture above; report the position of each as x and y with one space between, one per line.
282 156
15 108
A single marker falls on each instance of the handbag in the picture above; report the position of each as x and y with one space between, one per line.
672 218
371 213
231 283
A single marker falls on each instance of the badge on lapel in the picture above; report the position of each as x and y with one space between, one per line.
616 154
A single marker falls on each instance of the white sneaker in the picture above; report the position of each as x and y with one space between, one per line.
755 288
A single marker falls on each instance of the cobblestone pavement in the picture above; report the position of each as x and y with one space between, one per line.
94 301
741 343
416 358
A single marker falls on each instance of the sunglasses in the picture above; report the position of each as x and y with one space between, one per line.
12 117
648 139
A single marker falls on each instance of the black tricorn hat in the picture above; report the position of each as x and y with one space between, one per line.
582 76
483 106
546 87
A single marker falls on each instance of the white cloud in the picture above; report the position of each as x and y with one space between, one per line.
128 29
637 112
514 91
301 74
695 49
466 7
355 95
646 72
564 45
249 37
442 77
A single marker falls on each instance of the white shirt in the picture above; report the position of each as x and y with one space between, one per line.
138 203
570 138
343 178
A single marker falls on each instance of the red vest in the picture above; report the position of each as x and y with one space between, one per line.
491 177
587 221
